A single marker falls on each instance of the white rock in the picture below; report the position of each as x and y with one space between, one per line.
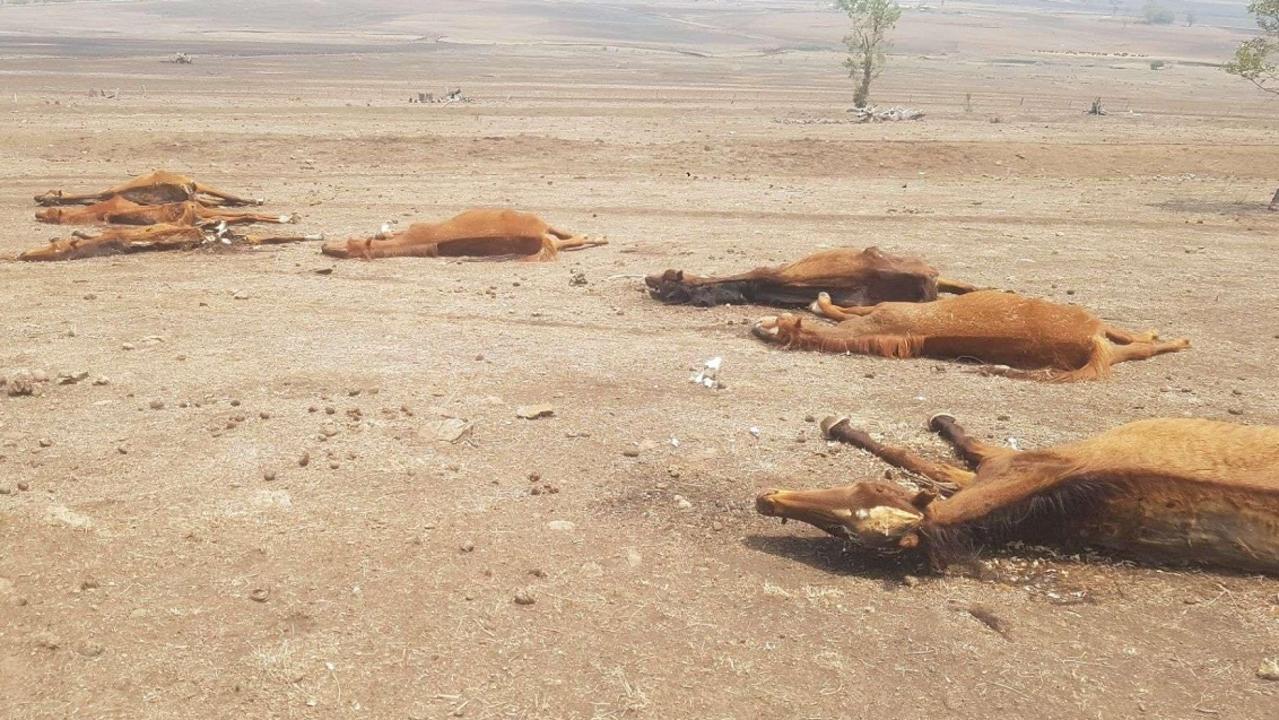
562 525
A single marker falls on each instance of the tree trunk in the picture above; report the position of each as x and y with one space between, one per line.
862 97
1274 202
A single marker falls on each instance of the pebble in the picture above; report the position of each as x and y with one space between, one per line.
127 346
630 452
467 547
269 476
716 526
682 503
46 442
240 295
24 486
157 405
561 525
101 381
260 595
305 459
524 597
1234 411
46 640
1269 669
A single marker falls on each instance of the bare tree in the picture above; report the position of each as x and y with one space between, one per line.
1255 60
870 21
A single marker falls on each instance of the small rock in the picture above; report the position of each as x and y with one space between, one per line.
71 378
269 476
260 595
682 503
561 525
524 597
5 490
264 415
127 346
45 442
90 649
810 418
329 430
910 581
240 295
157 405
1234 411
1269 669
24 486
631 452
22 382
452 430
716 526
305 459
46 640
533 412
578 279
99 381
467 547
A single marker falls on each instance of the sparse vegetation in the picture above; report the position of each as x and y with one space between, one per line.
1255 60
870 21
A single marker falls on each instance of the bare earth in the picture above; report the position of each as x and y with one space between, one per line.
170 557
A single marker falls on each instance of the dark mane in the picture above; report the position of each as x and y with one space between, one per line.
1054 517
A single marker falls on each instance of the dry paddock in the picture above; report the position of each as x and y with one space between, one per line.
165 553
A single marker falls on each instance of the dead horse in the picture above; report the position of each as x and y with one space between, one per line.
155 188
1019 336
1182 491
123 240
492 234
849 276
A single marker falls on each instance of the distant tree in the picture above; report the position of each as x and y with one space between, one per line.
870 21
1255 60
1157 14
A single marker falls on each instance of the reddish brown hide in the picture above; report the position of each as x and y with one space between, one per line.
1166 490
156 188
851 277
119 211
496 234
150 238
1012 334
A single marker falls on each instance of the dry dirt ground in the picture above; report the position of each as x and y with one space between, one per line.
164 553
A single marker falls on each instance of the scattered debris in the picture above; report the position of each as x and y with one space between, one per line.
72 378
887 114
988 618
1269 669
181 58
1096 108
533 412
708 376
452 96
578 279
